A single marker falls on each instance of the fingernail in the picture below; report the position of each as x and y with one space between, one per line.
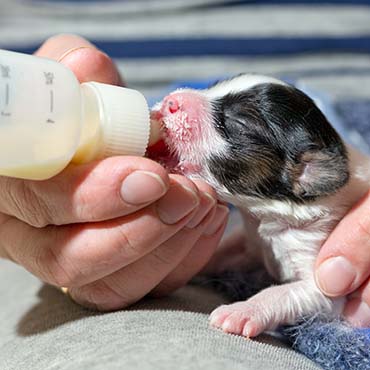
142 187
335 276
219 218
207 202
357 313
178 202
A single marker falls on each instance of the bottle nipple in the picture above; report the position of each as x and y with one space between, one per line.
124 117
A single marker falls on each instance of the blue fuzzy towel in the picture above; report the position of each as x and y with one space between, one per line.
333 345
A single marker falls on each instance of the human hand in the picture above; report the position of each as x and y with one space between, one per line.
343 264
113 230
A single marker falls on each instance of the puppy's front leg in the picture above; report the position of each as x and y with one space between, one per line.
274 306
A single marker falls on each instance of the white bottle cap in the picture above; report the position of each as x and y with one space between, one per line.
125 120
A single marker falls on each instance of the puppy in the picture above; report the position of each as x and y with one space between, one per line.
266 148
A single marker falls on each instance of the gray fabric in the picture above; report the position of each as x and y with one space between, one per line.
42 329
116 21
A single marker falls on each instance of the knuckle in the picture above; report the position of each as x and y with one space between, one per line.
124 243
44 263
53 271
166 257
26 205
132 244
161 259
60 277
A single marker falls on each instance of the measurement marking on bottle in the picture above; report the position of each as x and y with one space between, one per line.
7 94
51 101
5 71
49 78
51 105
6 100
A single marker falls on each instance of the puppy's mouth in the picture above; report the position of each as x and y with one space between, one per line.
180 116
164 151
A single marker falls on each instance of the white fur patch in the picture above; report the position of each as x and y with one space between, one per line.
238 84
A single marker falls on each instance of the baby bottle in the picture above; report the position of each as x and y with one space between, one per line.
48 119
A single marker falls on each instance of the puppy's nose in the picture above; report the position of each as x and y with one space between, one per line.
186 103
173 105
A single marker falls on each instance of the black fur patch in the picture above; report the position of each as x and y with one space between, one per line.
280 145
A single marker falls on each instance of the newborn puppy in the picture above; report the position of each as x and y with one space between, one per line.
266 148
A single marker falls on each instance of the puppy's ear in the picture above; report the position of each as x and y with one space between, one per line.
319 173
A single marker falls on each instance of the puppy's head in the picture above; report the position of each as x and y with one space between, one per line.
254 136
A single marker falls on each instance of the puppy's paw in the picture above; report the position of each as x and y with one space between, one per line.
240 318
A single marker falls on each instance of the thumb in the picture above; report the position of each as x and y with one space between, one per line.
343 263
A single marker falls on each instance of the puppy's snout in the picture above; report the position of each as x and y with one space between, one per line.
173 105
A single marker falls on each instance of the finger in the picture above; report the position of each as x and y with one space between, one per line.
133 282
83 58
344 260
357 310
97 191
198 256
208 201
363 293
77 254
